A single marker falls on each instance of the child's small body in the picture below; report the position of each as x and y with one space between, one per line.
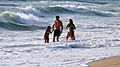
46 35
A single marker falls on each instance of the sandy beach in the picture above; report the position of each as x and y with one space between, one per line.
107 62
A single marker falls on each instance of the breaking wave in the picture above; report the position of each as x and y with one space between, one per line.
21 21
79 10
28 14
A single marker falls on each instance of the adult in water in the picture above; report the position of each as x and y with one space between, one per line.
70 26
57 28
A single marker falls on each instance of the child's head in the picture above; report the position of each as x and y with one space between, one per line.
48 27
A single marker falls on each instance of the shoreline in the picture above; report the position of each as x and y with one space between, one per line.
106 62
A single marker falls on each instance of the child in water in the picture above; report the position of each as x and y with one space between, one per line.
70 26
46 35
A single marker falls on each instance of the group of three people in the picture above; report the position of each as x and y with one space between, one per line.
57 27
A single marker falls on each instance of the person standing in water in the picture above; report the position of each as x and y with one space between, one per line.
57 28
70 26
46 35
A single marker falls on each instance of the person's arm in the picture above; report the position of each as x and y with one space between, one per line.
48 31
53 26
67 25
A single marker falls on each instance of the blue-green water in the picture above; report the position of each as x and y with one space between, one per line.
25 14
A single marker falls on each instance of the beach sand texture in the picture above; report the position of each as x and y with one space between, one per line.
107 62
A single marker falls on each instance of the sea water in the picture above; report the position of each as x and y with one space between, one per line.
23 23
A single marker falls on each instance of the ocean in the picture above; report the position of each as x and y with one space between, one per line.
23 23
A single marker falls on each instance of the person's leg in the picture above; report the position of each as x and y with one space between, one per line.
54 36
45 40
57 38
48 40
68 35
72 36
58 35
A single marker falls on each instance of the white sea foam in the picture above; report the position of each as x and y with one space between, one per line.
30 10
22 17
22 47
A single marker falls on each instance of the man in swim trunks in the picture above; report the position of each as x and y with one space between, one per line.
57 28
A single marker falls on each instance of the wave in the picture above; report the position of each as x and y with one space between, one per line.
81 11
117 9
30 16
56 10
94 12
25 14
68 7
15 26
95 2
21 18
102 2
78 45
21 21
98 27
27 18
8 4
31 10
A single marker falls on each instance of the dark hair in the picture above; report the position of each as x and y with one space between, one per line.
71 21
48 27
57 17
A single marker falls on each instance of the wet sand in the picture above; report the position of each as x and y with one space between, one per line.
107 62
